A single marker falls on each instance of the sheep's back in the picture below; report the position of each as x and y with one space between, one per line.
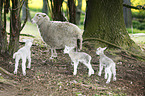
58 34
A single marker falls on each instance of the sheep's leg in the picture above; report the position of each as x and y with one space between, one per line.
100 69
75 68
24 66
51 54
55 53
109 73
29 64
16 64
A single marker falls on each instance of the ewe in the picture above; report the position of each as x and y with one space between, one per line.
108 64
77 57
23 53
57 34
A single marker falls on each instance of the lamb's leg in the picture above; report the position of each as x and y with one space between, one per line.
91 71
114 72
29 64
106 73
16 64
75 68
100 69
24 66
109 73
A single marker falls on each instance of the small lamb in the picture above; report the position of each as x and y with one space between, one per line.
23 53
107 63
77 57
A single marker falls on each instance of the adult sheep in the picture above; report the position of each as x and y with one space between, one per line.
57 34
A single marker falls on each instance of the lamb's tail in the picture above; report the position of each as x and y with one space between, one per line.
14 55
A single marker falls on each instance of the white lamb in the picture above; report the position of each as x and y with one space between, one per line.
57 34
107 63
77 57
23 53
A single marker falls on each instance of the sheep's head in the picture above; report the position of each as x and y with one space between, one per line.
38 17
67 49
100 50
28 42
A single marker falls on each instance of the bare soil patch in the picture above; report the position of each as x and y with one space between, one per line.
55 78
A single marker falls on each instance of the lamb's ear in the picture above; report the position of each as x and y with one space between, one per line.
98 48
32 40
65 46
104 48
24 40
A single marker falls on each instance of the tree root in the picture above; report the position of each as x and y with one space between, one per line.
116 46
6 72
9 82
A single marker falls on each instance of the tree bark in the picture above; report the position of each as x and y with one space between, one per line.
72 11
104 20
56 10
78 12
45 9
25 11
14 27
3 33
127 14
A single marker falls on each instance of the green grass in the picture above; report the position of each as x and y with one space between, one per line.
135 30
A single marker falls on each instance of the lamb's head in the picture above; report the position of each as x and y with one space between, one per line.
39 17
28 42
67 49
100 50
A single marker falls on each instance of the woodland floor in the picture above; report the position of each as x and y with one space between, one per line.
55 78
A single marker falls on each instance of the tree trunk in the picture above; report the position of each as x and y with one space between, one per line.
72 11
24 11
45 9
127 14
78 12
3 33
104 20
14 27
56 10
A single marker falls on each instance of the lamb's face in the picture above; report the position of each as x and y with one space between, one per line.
100 50
38 16
67 49
28 42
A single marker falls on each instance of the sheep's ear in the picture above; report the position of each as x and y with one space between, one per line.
37 14
44 15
